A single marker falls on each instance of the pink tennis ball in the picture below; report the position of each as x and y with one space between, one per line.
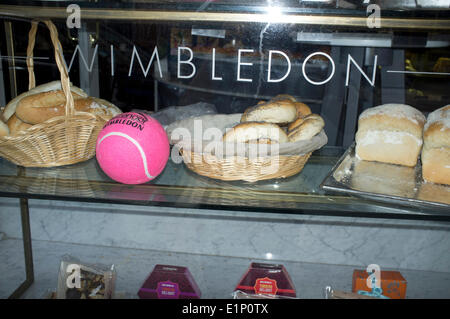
132 148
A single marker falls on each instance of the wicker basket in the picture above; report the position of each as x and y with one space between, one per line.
289 161
242 168
62 140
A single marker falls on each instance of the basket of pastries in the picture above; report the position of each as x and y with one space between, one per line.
273 139
52 124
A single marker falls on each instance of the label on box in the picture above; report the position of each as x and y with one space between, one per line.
266 286
168 290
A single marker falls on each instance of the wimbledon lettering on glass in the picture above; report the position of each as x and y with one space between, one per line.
242 63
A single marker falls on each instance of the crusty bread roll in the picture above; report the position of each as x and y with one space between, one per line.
256 131
436 147
4 130
278 112
302 109
310 127
33 110
390 133
10 108
40 107
15 125
295 124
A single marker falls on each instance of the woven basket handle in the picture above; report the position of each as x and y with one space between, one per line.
65 83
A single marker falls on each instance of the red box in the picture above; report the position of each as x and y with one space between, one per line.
267 279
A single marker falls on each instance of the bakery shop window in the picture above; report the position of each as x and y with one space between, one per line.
338 72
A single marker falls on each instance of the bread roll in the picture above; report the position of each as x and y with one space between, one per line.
278 112
310 127
4 130
256 131
390 133
15 125
295 124
302 109
40 107
35 111
436 148
10 108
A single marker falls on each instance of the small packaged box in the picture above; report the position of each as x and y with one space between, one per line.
262 279
79 280
169 282
392 285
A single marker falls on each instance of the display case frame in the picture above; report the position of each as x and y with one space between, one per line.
20 182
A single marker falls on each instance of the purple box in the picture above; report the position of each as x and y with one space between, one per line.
169 282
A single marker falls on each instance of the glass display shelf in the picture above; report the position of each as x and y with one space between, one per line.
177 186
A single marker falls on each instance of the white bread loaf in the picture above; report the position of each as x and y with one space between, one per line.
390 133
256 132
10 108
436 148
278 112
4 130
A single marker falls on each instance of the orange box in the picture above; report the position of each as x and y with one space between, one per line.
392 283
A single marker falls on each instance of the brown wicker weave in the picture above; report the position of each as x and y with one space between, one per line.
233 168
61 140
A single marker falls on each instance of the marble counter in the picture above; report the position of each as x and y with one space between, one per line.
356 242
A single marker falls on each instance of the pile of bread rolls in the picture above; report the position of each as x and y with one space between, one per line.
280 120
398 133
47 101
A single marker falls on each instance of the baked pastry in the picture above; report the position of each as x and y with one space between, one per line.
309 127
295 124
278 112
38 108
301 119
436 147
4 130
302 109
390 133
10 108
256 132
16 125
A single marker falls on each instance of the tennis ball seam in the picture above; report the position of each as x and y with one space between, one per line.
132 140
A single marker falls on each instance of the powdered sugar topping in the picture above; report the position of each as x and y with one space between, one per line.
397 111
